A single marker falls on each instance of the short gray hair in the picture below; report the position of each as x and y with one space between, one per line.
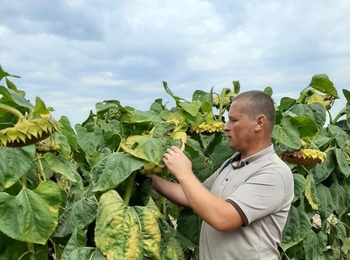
258 103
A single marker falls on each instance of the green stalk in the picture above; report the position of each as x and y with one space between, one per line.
11 110
221 104
32 251
130 185
340 114
41 169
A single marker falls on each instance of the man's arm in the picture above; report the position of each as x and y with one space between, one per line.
172 191
217 212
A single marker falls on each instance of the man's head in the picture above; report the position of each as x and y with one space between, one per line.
251 121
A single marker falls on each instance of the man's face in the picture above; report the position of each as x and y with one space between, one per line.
239 128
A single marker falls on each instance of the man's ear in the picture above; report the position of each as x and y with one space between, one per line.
260 122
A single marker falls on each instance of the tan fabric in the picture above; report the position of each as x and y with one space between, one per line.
261 188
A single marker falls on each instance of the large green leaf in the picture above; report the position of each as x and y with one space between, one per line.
326 203
310 192
13 96
315 111
321 171
118 233
145 147
321 82
343 165
67 130
11 249
60 165
340 136
14 163
78 215
297 227
191 108
306 126
144 117
88 141
339 197
76 248
151 236
299 186
287 134
314 245
189 225
31 216
113 170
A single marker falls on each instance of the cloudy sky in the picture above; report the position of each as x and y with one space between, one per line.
75 53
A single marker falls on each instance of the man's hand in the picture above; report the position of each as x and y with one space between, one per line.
177 162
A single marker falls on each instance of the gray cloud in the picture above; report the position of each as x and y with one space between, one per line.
74 54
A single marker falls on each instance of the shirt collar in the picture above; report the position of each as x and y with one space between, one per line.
238 163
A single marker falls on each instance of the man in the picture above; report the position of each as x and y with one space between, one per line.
244 205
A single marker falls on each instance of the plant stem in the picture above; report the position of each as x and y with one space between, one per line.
32 251
221 104
339 115
127 194
41 169
11 110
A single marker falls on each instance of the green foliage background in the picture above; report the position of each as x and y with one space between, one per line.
91 199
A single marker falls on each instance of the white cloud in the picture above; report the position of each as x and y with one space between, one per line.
97 50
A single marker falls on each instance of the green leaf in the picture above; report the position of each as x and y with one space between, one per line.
13 96
348 114
321 82
14 163
12 86
320 172
76 248
40 107
117 232
60 165
268 91
340 136
326 203
314 244
299 186
287 134
6 74
343 165
69 133
310 192
145 117
78 215
88 141
151 235
145 147
305 125
167 89
172 250
339 197
318 113
286 103
189 225
346 95
11 249
113 170
31 216
236 86
315 111
191 108
297 227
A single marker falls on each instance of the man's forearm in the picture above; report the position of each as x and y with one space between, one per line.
172 191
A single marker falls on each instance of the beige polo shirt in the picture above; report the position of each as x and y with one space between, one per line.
261 188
